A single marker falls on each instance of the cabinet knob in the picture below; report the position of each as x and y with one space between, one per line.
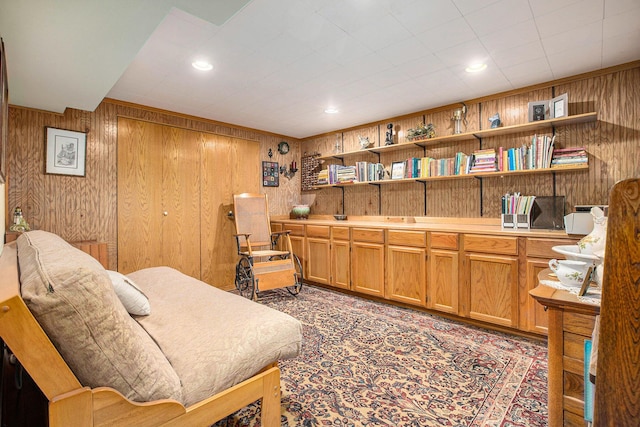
165 213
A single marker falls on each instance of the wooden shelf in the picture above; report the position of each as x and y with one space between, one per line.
473 135
466 176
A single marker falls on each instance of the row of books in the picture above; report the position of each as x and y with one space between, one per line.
539 155
517 204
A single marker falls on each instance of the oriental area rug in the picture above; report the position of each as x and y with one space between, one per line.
365 363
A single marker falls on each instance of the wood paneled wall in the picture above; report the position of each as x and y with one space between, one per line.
80 208
85 208
613 144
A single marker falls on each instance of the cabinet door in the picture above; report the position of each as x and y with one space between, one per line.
367 268
181 200
318 260
406 275
340 264
239 159
139 195
443 281
533 317
297 243
492 282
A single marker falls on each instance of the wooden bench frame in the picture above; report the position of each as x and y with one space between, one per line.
72 404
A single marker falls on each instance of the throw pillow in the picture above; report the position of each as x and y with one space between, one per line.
133 299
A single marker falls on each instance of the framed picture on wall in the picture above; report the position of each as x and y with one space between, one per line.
66 152
558 107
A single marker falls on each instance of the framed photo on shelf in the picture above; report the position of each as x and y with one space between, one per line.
66 152
538 110
397 170
558 107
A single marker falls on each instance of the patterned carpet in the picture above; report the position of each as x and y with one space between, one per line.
370 364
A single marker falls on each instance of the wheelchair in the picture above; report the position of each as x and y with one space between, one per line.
266 260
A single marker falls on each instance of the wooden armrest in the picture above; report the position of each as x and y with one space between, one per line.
279 233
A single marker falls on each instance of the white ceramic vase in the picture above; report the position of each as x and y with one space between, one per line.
595 240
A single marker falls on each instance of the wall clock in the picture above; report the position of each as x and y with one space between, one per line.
283 148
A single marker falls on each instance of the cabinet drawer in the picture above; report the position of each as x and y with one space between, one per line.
541 248
407 238
318 231
578 323
444 240
295 229
367 235
340 233
491 244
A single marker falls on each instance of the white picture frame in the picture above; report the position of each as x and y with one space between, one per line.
538 110
65 152
559 106
397 170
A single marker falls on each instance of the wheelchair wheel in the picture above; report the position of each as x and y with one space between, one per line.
245 283
299 277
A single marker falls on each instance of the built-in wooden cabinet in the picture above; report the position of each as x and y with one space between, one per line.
491 279
367 261
340 259
297 236
319 254
443 277
480 277
406 278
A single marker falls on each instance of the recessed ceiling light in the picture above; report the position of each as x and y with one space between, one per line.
331 110
202 65
475 68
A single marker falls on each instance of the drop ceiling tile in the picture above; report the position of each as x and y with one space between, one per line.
576 38
460 56
518 54
420 16
383 32
423 65
622 23
314 31
351 16
543 7
576 61
615 7
621 49
528 73
507 38
569 17
498 15
445 36
345 50
469 6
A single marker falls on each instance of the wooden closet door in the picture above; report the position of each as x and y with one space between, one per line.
229 166
139 195
181 200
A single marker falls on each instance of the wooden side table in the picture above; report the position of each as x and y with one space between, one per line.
571 322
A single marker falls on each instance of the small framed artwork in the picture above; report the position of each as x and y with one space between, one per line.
397 170
538 110
270 174
66 152
558 106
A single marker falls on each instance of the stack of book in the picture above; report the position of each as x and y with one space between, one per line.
567 157
484 161
366 171
541 151
323 177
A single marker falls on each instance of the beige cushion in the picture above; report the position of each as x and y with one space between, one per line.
213 339
133 299
72 298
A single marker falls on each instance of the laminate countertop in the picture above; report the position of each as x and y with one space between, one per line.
490 226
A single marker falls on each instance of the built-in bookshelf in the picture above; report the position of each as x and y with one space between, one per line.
473 135
549 124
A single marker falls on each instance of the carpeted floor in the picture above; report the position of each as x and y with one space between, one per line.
370 364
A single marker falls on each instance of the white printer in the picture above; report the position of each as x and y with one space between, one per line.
581 221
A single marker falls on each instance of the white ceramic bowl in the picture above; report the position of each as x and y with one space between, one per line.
572 252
